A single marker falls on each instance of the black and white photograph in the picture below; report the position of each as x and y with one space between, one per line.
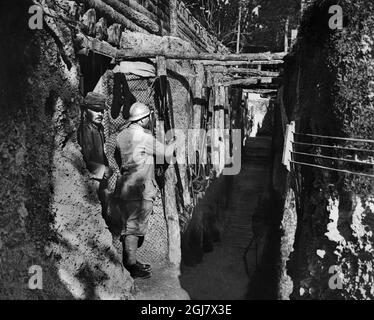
181 155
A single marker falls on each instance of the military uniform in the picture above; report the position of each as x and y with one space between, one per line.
91 139
136 188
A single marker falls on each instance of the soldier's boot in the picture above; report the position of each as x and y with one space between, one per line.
144 266
130 245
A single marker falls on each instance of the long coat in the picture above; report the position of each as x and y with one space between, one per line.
91 139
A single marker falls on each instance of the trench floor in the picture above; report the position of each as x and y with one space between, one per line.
224 273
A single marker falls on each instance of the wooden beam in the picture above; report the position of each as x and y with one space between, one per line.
262 91
253 72
169 53
242 62
141 45
249 81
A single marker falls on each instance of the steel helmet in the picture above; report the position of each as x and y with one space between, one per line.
138 111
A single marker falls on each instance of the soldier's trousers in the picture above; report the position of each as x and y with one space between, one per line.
134 217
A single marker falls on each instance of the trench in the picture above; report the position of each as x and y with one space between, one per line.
243 263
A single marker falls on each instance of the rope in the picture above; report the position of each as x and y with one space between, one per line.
335 138
332 158
332 169
331 147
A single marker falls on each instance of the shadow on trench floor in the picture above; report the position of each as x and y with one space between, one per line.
229 272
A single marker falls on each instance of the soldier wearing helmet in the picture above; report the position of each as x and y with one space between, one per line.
136 188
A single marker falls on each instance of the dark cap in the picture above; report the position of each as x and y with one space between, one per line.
95 101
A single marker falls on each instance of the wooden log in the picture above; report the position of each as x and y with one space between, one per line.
171 52
114 34
145 45
133 4
186 34
108 12
161 15
162 5
89 22
195 44
163 22
140 45
196 34
134 16
101 29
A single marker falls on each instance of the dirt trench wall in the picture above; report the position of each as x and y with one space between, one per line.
49 212
328 92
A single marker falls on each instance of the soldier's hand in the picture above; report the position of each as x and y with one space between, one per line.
108 172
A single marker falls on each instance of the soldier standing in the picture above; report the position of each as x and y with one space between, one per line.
136 189
91 139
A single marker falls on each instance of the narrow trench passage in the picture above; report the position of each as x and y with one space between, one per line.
224 273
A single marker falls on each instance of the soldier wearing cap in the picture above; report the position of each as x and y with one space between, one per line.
91 139
136 188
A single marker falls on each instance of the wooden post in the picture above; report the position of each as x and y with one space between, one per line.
238 34
173 18
288 145
161 66
227 126
286 35
221 128
197 113
172 218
